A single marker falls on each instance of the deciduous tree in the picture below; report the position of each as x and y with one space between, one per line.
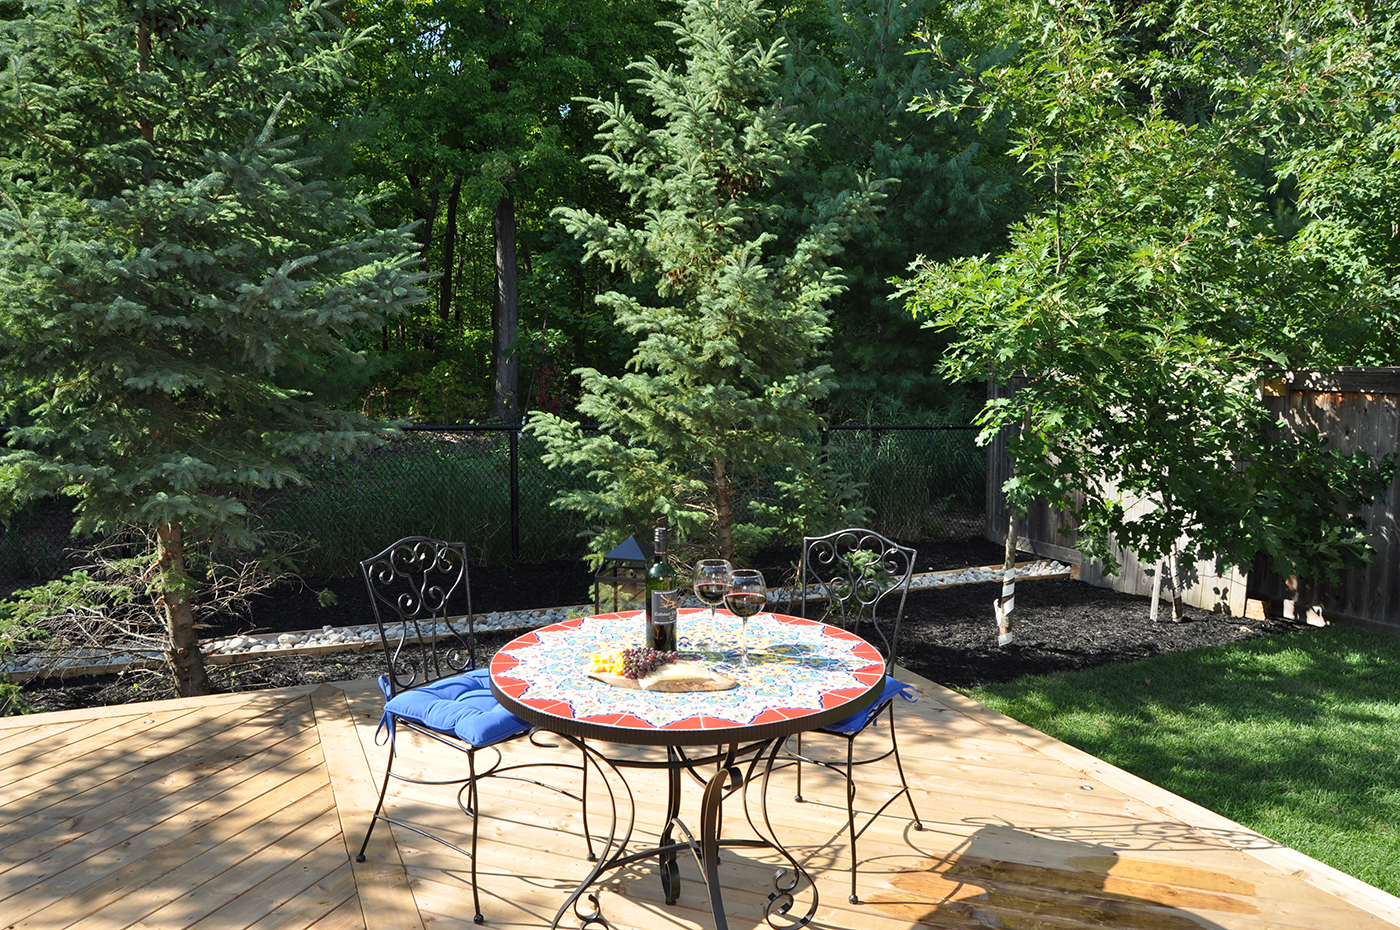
1186 241
469 116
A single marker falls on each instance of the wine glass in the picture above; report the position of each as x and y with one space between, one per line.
745 597
711 581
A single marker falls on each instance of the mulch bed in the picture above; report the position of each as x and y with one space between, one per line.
949 634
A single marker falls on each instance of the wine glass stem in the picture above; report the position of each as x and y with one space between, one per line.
744 640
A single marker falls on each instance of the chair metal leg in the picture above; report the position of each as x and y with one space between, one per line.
851 813
468 801
383 790
798 796
899 766
472 801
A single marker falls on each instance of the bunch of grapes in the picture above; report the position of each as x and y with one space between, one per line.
639 660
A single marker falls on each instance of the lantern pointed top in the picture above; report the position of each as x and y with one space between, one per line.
630 550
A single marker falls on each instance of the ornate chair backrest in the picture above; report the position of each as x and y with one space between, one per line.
856 576
412 586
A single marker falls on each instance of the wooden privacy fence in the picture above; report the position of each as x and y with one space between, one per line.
1355 409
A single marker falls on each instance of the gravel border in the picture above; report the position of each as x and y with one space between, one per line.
359 637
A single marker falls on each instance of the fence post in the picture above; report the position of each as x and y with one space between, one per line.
515 494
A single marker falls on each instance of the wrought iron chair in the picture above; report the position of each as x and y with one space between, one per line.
856 578
433 686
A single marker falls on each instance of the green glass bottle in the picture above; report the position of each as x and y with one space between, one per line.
663 597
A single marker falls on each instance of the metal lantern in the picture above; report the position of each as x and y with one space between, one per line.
624 569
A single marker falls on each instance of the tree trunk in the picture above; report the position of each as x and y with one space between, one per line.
1176 586
449 248
506 316
1007 602
186 661
425 212
1004 605
724 511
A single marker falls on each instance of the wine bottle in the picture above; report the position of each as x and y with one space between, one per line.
663 597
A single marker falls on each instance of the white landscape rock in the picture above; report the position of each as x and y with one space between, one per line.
356 636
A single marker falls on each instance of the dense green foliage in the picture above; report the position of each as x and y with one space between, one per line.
1294 736
1203 216
721 392
171 267
852 76
464 106
465 117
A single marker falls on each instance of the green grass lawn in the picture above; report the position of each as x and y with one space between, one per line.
1295 736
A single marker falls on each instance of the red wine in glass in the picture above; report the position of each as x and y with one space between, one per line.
711 594
745 597
744 604
711 581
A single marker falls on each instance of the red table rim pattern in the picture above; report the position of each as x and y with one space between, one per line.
803 675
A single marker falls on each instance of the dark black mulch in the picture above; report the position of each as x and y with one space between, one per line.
949 635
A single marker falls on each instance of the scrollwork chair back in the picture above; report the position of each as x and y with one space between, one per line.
857 578
415 586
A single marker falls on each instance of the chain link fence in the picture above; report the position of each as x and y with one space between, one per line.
487 485
920 482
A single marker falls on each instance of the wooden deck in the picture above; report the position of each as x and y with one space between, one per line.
244 810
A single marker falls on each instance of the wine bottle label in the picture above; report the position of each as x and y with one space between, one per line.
663 606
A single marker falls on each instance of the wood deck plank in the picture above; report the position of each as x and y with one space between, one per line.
88 867
61 743
177 779
384 898
297 886
264 836
309 908
128 748
347 916
317 840
86 853
146 882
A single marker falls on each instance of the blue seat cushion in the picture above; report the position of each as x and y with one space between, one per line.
461 706
861 719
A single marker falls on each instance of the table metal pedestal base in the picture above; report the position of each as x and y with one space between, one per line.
734 770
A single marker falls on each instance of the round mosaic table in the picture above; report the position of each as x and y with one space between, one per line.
800 675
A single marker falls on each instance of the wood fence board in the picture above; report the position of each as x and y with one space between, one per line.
1365 418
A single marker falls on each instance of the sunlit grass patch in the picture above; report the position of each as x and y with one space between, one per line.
1295 736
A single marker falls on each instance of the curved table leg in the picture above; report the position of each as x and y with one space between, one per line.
614 847
785 881
730 776
670 869
727 777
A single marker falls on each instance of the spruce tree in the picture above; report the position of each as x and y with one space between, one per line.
712 430
169 265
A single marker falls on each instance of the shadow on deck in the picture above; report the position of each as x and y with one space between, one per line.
243 811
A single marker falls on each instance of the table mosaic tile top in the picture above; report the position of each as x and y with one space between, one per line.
797 668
